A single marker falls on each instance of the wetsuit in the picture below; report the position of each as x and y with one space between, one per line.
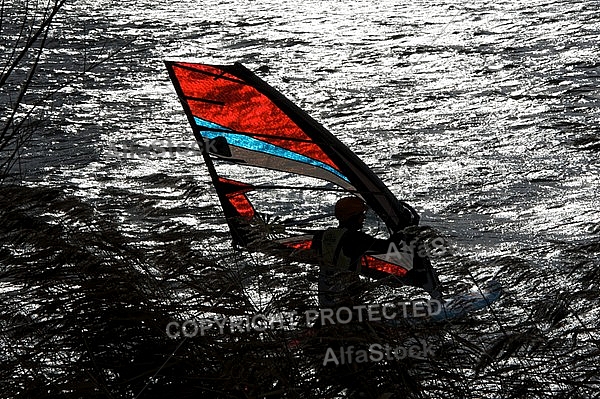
341 250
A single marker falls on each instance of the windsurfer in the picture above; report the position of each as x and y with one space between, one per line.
340 250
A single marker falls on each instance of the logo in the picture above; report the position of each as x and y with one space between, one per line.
376 353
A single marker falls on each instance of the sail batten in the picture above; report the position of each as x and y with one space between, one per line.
205 100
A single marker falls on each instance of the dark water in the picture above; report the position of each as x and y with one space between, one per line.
484 116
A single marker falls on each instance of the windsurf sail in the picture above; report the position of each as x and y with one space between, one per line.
257 143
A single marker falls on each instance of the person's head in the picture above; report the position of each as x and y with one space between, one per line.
351 212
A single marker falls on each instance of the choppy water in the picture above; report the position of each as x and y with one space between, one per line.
484 115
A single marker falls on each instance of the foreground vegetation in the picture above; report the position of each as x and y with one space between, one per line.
85 310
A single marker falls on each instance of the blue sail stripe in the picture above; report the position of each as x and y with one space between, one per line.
243 141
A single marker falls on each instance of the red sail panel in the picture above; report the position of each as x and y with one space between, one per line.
235 192
303 245
242 205
383 266
240 107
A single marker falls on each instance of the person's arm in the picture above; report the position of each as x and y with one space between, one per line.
357 244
